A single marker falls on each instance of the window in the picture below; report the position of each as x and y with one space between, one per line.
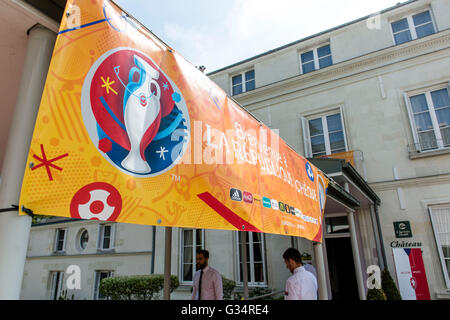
326 135
191 241
60 240
82 239
99 276
440 219
412 27
315 59
56 284
243 82
336 225
430 118
106 237
256 265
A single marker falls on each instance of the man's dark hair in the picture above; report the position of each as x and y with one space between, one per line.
293 254
203 252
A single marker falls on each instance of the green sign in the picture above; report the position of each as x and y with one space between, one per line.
402 229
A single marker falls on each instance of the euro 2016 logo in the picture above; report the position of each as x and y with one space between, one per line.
134 113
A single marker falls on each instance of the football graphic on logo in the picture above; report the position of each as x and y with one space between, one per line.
96 201
135 115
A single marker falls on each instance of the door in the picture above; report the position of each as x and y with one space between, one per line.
341 269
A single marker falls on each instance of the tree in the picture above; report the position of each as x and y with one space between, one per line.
376 294
389 287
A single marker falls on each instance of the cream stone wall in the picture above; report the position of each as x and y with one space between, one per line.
367 83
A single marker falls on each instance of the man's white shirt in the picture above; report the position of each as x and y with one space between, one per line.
302 285
211 285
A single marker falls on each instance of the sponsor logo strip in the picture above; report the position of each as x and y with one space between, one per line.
226 213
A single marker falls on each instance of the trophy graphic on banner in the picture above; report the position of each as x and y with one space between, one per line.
141 114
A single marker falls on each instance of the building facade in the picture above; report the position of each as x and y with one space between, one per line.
367 102
377 87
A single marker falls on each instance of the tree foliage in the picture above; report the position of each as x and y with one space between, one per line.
389 287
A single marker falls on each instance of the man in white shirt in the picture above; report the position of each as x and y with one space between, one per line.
207 284
302 285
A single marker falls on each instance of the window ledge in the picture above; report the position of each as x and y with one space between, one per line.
59 253
106 251
185 287
443 295
418 155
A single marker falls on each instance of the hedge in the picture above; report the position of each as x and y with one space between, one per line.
228 287
143 287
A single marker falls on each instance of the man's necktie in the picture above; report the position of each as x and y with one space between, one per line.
200 286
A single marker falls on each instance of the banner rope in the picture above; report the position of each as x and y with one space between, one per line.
15 207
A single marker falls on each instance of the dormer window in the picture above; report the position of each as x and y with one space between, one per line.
243 82
412 27
316 59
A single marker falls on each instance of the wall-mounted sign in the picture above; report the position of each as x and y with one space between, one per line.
405 244
412 280
402 229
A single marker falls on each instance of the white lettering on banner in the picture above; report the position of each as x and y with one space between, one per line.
250 147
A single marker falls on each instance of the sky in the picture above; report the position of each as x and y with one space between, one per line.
218 33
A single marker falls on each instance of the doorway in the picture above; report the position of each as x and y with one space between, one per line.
340 261
341 269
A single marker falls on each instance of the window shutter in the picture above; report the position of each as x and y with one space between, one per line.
65 239
411 120
100 237
306 138
112 236
341 110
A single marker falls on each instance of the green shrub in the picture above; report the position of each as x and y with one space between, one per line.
144 287
376 294
389 287
228 287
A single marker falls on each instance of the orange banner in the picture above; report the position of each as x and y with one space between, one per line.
129 131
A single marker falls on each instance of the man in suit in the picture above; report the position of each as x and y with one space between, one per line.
207 284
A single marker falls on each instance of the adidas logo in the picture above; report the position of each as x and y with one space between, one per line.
235 194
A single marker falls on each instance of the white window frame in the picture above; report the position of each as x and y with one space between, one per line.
78 239
56 284
194 252
97 282
316 57
307 133
55 248
438 245
244 82
434 121
411 26
250 259
101 229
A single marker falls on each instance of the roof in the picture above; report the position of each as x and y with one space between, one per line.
330 165
398 5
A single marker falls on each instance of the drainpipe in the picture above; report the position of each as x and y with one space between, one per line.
167 263
383 252
152 266
377 237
